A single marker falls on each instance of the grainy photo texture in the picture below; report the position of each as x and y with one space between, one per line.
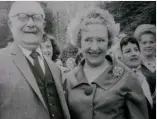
78 60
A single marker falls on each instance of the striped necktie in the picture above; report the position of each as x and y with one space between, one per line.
37 65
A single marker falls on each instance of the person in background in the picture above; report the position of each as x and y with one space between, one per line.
59 62
70 63
114 51
30 86
64 70
131 56
78 58
146 36
121 36
49 47
98 88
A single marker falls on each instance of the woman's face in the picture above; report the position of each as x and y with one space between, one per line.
47 49
70 64
131 55
94 44
59 62
148 44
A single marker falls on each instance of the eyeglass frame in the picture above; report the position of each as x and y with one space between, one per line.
29 16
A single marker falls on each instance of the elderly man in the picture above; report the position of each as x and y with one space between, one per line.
30 85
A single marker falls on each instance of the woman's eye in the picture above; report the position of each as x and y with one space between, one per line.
151 42
88 40
101 40
136 49
144 43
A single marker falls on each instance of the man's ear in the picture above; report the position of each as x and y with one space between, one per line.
44 23
9 24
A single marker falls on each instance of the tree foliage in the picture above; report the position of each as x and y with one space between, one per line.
133 13
4 29
50 27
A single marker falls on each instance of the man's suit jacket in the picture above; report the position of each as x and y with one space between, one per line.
20 97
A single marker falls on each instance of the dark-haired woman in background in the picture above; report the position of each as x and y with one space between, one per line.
131 58
50 48
146 36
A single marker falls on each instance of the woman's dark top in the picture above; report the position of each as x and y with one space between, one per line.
150 77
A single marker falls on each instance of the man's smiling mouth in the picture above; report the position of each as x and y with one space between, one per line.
30 32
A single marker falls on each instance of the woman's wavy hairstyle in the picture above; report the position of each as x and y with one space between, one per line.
145 29
91 16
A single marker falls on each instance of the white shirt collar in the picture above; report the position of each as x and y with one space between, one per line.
39 51
28 52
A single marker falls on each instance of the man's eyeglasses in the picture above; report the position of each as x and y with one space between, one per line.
25 17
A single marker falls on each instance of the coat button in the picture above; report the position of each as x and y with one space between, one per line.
88 90
50 104
53 115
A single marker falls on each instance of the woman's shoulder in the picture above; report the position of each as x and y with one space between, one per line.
71 76
128 79
131 82
72 73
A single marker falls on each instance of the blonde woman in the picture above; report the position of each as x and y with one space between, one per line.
146 35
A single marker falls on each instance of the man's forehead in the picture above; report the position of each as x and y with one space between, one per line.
28 7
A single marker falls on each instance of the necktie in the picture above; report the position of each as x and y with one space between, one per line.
37 66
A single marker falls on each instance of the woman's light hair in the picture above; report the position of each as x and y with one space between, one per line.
144 29
91 16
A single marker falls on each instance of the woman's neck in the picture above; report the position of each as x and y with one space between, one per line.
149 58
92 68
92 73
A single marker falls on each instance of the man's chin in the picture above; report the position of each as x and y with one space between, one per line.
31 36
30 46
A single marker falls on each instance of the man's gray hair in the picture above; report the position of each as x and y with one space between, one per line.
19 6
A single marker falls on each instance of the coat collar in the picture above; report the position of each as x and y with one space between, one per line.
106 80
20 61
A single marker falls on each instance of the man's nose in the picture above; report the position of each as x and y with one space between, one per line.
94 45
47 50
30 23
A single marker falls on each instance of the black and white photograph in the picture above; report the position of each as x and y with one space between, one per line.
77 59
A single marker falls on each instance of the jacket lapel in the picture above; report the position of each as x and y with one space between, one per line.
56 73
23 66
